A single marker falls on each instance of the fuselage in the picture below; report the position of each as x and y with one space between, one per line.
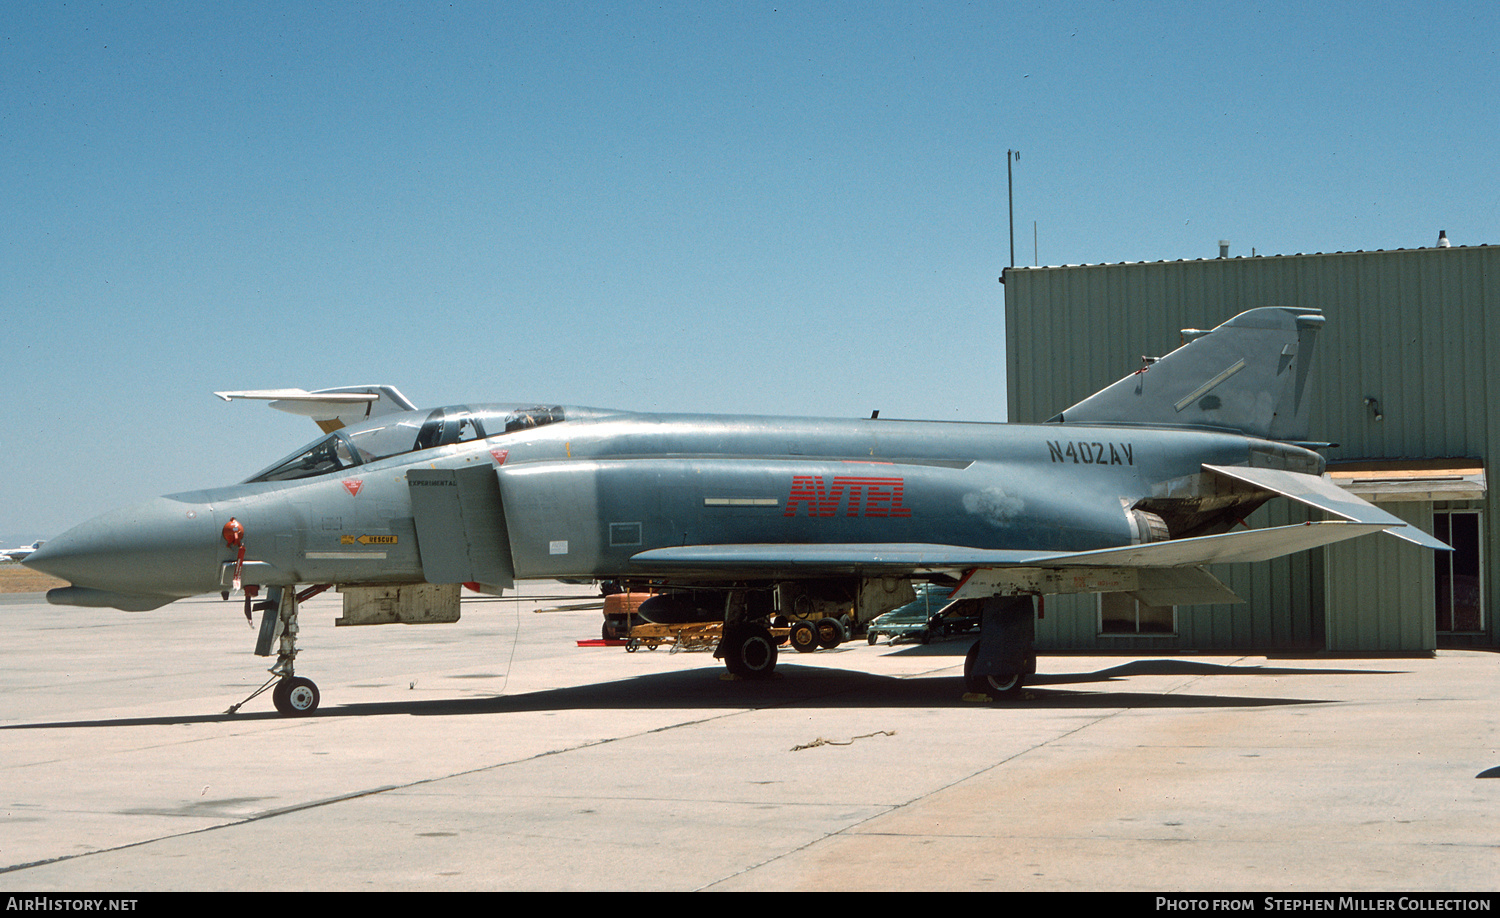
582 495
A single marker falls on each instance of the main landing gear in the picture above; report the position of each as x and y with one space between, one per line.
748 650
999 662
293 695
1004 685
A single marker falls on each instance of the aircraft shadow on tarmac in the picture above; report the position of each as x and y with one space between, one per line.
794 686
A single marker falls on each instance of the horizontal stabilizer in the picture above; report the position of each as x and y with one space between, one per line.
1318 492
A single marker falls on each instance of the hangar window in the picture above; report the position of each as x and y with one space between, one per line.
1458 587
1121 614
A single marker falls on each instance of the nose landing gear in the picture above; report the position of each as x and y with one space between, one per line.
293 695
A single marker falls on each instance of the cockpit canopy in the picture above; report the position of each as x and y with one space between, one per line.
407 432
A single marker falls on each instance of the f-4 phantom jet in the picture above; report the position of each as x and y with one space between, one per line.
751 519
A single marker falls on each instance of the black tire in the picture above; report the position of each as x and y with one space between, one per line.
749 651
803 636
831 633
1003 686
295 697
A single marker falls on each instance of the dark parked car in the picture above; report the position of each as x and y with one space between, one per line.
928 617
911 622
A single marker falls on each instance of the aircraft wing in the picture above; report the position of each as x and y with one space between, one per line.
1157 573
1318 492
897 558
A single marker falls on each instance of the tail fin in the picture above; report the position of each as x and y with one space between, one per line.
1249 375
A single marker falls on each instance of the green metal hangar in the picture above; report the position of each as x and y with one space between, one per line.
1406 380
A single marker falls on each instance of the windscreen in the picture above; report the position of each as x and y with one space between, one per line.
330 454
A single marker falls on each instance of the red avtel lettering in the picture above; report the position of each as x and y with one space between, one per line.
858 495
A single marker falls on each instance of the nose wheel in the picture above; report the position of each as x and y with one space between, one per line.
295 696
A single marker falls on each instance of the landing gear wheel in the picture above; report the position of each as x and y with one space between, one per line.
1002 686
295 696
831 633
749 651
803 637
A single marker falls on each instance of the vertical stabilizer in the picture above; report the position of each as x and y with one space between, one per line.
1249 374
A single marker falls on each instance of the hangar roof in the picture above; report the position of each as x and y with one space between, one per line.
1111 264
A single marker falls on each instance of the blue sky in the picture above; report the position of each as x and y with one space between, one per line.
729 207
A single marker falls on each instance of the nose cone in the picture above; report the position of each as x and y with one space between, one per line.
165 547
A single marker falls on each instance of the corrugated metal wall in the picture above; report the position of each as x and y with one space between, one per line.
1372 584
1413 329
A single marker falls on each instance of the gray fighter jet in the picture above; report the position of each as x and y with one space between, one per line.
748 519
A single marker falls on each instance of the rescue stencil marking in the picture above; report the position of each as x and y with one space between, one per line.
1094 453
858 495
368 540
